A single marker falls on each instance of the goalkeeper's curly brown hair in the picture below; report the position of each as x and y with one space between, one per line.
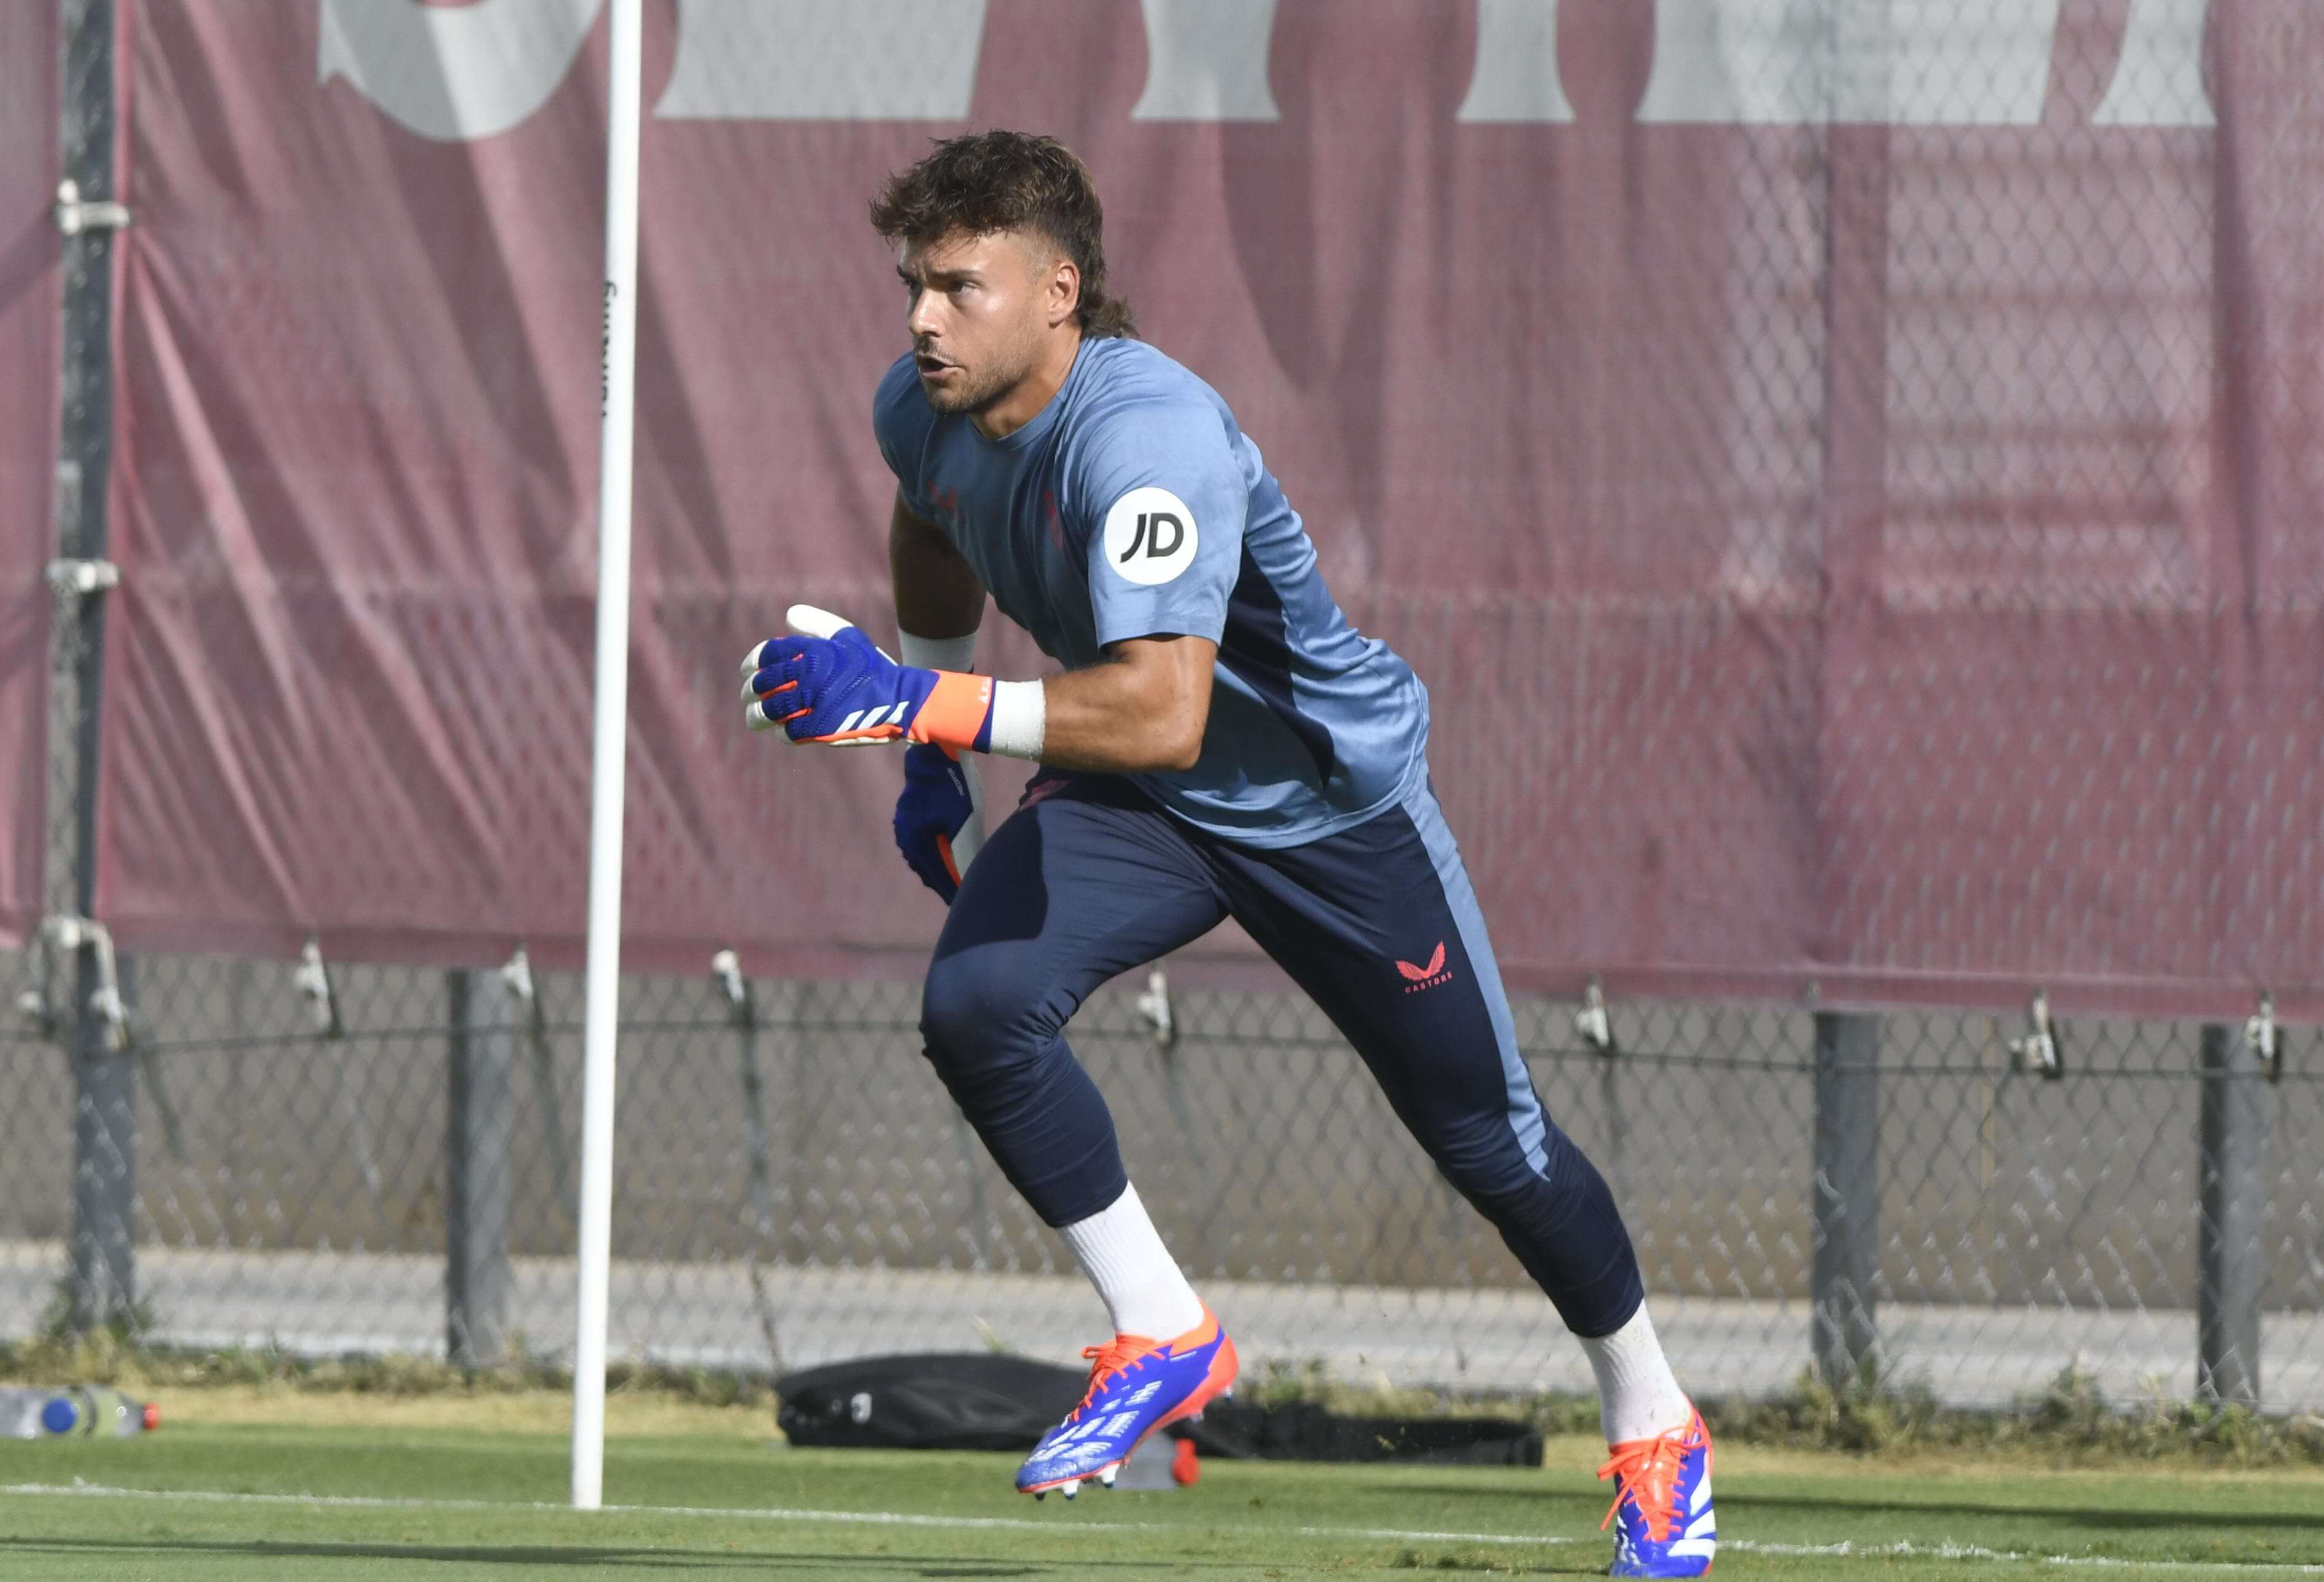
984 182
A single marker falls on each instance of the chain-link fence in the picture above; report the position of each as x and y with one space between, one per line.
390 1167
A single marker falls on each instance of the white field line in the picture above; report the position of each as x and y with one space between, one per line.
1901 1550
748 1513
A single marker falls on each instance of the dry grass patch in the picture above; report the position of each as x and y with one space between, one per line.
628 1414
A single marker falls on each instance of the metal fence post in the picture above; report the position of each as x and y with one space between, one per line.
101 1279
2230 1254
101 1262
1847 1196
480 1115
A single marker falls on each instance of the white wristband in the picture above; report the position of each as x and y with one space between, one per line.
937 653
1020 719
1020 709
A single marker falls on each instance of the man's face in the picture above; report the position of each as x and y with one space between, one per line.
978 314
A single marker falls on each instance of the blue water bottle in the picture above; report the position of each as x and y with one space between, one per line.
33 1414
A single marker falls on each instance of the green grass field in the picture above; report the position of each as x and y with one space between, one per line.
203 1501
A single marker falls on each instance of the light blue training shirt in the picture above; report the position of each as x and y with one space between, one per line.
1133 506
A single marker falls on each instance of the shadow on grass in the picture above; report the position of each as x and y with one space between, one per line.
576 1554
2308 1515
1451 1557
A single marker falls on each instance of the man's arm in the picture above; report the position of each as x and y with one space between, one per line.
1141 711
937 594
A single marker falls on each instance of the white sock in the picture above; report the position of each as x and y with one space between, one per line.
1141 1284
1637 1397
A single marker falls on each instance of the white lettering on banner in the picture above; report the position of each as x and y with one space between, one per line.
814 61
1515 77
1206 60
1810 62
454 72
2158 80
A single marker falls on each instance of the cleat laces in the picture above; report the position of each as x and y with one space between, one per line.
1118 1356
1646 1472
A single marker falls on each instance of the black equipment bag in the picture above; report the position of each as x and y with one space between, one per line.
969 1401
986 1401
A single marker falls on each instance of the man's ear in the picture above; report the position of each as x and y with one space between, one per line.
1065 294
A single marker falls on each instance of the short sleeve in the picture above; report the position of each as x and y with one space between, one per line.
900 421
1166 497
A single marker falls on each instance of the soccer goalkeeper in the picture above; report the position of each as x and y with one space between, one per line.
1221 744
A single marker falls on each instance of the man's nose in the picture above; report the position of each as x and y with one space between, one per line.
922 320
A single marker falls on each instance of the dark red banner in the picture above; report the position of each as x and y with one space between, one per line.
1849 488
29 326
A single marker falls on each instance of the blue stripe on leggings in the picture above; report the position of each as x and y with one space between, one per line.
1525 1116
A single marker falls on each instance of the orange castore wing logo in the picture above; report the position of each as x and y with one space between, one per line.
1428 977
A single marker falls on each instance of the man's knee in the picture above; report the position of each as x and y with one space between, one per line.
983 1009
1486 1158
1490 1172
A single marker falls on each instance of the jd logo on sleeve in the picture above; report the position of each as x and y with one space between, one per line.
1149 536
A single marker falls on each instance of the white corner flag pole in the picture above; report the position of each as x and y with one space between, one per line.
608 743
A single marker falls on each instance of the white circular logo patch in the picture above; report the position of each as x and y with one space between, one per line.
1150 535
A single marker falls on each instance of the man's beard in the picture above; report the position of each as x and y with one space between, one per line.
971 395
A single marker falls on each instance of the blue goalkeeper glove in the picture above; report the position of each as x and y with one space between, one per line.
938 822
827 682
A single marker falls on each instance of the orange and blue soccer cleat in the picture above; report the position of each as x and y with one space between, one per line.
1136 1386
1662 1516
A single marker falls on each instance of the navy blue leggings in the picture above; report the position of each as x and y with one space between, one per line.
1377 922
